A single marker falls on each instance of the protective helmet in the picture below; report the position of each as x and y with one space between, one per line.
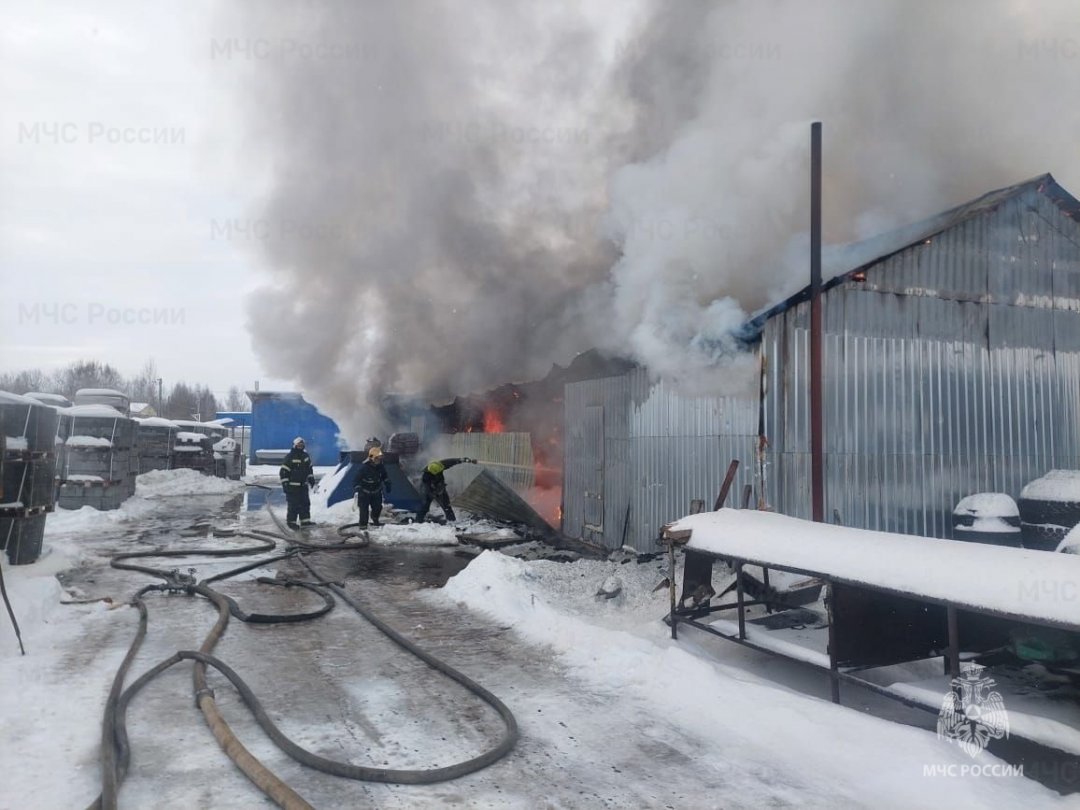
435 467
374 453
299 440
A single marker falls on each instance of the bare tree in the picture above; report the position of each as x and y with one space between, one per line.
207 403
181 403
88 374
20 382
236 401
143 387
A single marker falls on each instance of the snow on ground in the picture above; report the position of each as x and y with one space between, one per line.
150 488
618 645
777 747
1070 543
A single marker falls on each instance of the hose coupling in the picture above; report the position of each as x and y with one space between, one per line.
206 691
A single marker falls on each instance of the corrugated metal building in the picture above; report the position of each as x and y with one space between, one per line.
952 366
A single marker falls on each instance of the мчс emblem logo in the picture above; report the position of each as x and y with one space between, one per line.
972 713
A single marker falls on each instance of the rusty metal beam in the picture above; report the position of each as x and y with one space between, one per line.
725 487
817 424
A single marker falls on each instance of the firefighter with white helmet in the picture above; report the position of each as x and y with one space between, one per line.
297 477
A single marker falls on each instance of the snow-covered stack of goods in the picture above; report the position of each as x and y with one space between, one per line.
153 443
100 466
987 517
1049 508
229 459
62 406
104 396
221 456
215 430
27 474
193 451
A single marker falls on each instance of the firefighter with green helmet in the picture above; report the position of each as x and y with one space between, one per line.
433 487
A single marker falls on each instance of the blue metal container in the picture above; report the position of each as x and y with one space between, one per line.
277 417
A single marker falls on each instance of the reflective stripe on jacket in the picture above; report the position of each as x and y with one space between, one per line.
296 469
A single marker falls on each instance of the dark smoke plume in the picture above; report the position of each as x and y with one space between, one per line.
463 193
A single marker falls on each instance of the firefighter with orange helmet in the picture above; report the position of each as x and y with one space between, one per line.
370 483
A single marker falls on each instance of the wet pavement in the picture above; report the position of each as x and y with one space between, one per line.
340 688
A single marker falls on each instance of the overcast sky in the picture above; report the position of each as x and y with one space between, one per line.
126 222
153 157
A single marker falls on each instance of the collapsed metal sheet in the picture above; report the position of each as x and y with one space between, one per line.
473 488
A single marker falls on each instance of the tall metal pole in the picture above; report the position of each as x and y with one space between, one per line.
817 441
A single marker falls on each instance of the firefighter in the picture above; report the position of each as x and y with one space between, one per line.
433 487
297 476
370 483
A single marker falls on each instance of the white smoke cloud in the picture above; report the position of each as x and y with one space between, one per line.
489 188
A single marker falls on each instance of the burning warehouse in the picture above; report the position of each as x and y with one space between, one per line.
951 367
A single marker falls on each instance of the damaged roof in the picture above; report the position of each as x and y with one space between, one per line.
840 262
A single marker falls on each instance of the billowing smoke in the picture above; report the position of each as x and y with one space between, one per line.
462 194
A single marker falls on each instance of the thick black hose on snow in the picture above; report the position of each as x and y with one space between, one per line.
413 777
10 612
294 539
115 756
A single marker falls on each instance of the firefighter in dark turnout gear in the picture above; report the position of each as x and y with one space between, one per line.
297 476
433 487
370 483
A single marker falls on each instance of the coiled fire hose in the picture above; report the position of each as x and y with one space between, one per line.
115 756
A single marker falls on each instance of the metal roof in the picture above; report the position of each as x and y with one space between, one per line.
839 262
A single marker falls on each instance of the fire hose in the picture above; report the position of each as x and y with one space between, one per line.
115 756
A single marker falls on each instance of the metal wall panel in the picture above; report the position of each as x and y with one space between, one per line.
954 368
611 394
947 373
661 451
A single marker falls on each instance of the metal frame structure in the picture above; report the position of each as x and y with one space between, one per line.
836 673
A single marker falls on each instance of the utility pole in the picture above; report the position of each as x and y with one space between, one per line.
160 401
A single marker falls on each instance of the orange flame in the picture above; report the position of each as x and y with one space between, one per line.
493 421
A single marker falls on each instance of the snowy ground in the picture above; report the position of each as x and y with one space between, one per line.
612 712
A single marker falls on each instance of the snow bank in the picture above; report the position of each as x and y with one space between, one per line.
1056 485
413 534
167 483
1008 580
1070 543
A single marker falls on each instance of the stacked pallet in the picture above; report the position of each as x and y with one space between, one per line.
101 462
27 473
154 438
193 451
